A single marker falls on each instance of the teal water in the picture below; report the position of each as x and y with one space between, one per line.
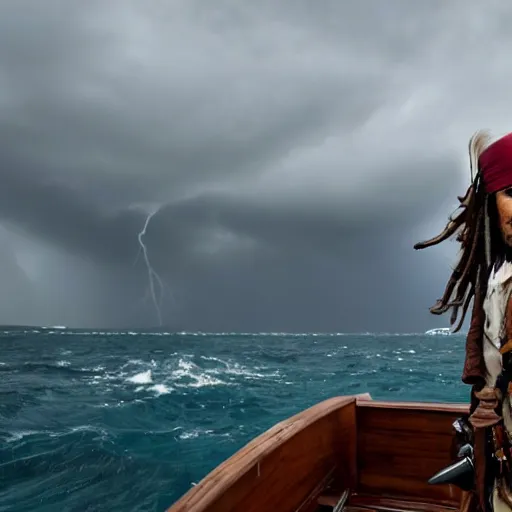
100 421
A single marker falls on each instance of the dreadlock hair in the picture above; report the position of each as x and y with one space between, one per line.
476 224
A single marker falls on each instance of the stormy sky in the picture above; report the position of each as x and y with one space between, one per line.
296 151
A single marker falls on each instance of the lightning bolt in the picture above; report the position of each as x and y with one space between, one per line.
153 277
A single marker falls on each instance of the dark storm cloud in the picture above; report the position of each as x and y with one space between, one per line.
296 153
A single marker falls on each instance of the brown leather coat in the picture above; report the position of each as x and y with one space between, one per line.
474 374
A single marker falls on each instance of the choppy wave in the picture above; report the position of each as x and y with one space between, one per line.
129 422
439 331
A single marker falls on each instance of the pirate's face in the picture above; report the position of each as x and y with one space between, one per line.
504 206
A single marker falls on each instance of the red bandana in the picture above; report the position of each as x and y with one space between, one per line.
496 165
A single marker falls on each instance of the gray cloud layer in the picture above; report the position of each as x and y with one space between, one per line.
297 151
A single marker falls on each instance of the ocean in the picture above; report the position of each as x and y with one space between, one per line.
129 421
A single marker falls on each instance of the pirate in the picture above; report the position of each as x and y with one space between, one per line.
483 275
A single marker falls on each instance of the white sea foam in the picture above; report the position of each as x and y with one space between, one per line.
141 378
178 371
193 434
189 370
160 389
234 368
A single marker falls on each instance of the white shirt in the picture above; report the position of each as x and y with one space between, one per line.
495 306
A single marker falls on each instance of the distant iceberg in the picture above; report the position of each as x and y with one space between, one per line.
439 331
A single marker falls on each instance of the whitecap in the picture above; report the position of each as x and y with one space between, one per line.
141 378
160 389
439 331
187 369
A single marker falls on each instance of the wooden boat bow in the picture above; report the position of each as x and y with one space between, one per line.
381 453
